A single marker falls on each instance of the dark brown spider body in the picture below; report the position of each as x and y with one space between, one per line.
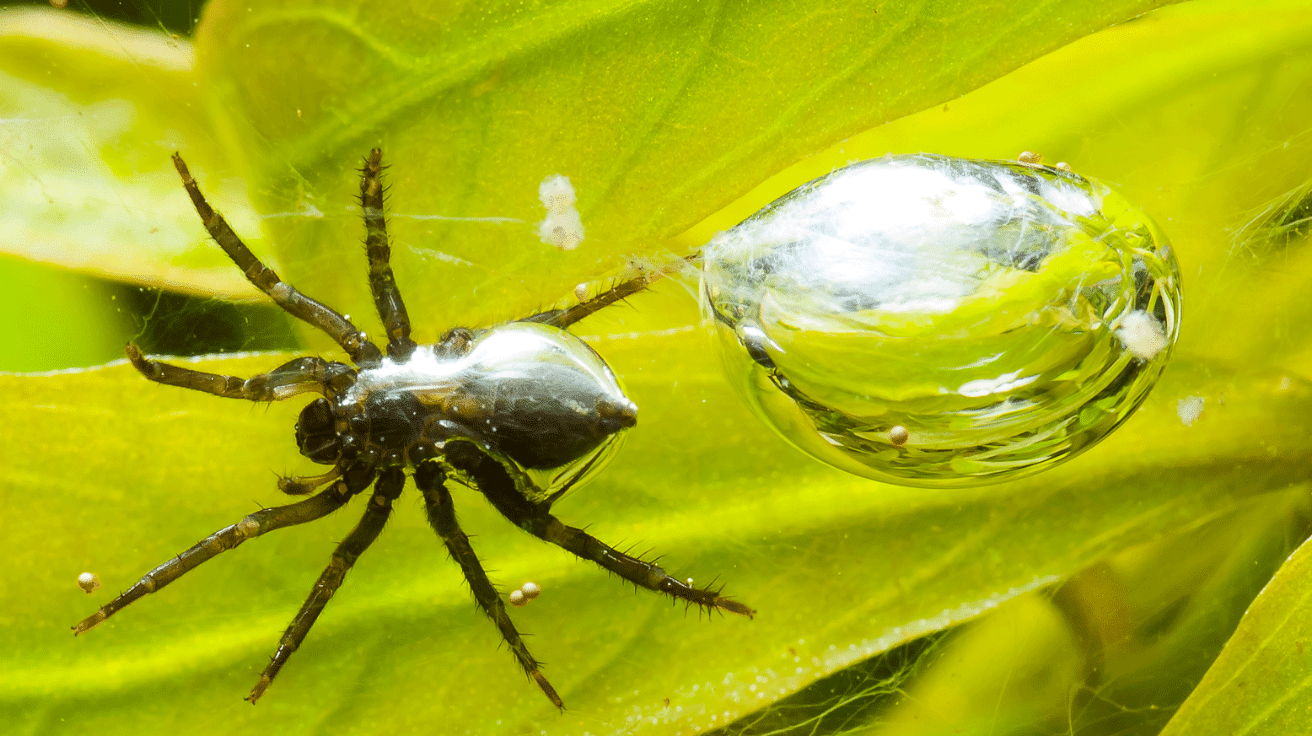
529 392
520 412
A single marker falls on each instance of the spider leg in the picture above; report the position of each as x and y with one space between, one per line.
253 525
388 488
287 380
299 485
502 489
563 318
315 313
430 479
387 297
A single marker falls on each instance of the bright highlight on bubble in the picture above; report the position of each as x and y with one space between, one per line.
936 321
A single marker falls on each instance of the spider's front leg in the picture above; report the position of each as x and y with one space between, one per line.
494 479
285 381
312 311
387 297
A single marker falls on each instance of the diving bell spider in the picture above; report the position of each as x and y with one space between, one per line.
520 412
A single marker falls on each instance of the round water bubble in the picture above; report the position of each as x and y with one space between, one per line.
936 321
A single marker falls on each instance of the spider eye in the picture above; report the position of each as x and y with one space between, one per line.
935 321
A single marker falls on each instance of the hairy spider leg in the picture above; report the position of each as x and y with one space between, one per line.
386 490
287 380
313 312
430 479
253 525
299 485
387 297
563 318
495 480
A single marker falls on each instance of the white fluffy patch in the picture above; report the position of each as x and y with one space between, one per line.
562 226
1142 335
1189 409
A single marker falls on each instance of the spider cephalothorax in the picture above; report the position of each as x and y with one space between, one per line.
521 412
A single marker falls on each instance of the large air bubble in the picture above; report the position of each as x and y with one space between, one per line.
935 321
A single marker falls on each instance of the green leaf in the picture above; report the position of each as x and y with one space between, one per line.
91 111
839 568
1110 650
659 112
1260 683
109 473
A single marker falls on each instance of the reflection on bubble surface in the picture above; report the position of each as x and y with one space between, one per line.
936 321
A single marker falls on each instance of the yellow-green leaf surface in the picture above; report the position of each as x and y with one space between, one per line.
1260 683
839 568
89 113
659 112
1104 652
108 473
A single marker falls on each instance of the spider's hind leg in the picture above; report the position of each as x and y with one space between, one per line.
430 479
379 508
496 483
253 525
563 318
287 380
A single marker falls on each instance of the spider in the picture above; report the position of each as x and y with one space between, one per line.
520 412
